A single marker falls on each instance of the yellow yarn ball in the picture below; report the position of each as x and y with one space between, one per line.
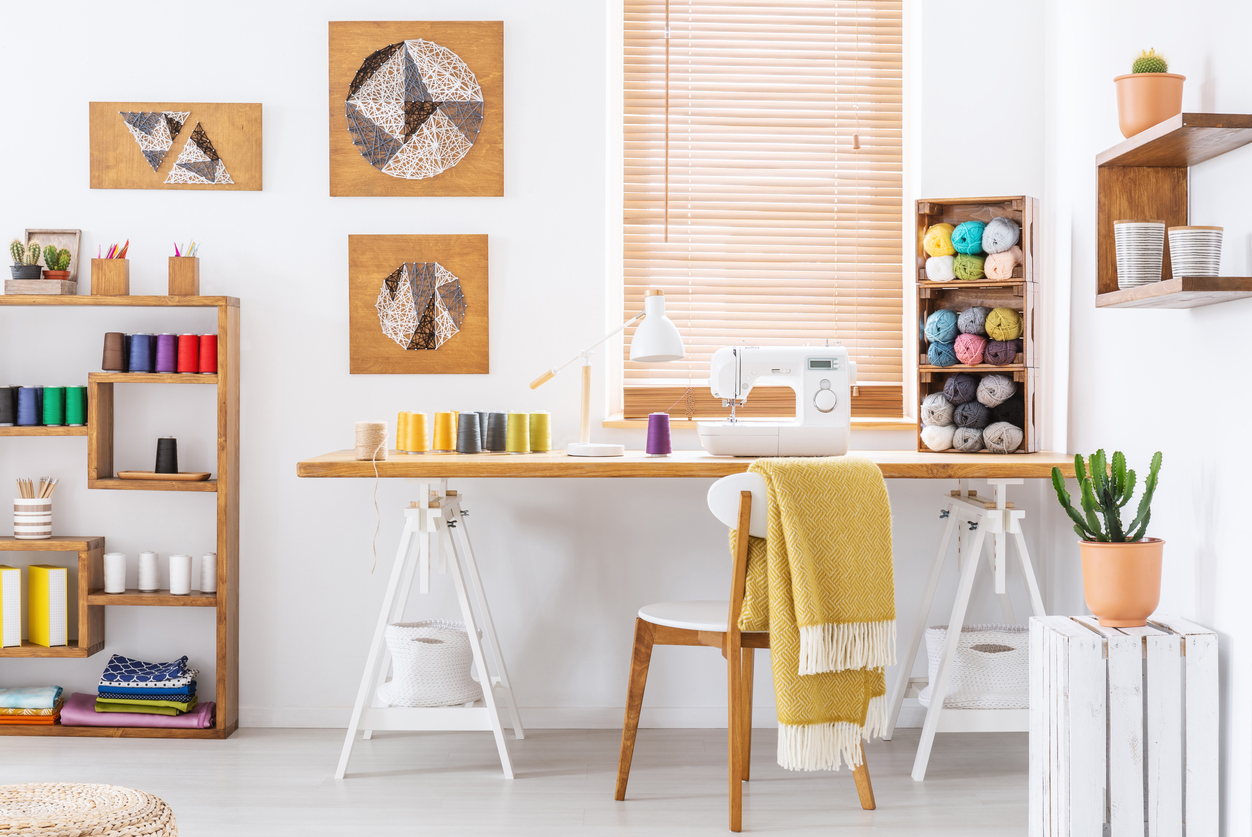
1004 324
938 240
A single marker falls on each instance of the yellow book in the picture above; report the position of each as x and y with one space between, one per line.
48 604
10 606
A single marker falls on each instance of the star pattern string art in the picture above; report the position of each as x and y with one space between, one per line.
421 305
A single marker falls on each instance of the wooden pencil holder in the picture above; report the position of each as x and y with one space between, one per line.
110 277
184 275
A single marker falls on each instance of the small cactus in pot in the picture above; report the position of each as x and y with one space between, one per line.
1147 95
25 260
56 263
1150 61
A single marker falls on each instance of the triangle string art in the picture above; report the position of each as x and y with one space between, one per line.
154 131
199 162
428 288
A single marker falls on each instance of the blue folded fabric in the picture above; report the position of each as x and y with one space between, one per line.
123 691
145 694
30 697
125 670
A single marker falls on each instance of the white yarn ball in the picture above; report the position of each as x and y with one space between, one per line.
967 439
941 268
1003 437
994 390
938 436
937 409
1000 234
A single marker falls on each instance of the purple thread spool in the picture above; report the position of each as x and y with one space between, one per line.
658 435
167 353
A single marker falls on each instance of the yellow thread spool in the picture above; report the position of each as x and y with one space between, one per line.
540 432
402 432
417 433
445 432
517 437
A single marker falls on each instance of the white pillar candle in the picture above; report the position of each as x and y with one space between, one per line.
208 572
148 579
180 575
115 572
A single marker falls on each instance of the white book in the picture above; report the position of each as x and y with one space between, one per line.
10 606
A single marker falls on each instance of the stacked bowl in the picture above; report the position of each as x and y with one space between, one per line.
1140 248
1193 251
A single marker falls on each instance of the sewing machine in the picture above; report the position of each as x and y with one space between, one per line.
822 379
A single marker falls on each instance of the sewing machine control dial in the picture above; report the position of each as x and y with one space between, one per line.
825 399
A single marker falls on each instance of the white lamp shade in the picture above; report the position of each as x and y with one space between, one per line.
657 338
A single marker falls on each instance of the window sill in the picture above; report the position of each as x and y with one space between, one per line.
617 422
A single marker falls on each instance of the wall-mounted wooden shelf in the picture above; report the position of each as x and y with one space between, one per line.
85 301
1188 292
115 484
158 598
44 431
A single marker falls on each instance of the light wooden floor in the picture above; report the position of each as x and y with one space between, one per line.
278 782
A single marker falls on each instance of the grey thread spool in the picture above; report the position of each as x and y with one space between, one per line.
8 406
497 431
468 439
482 427
167 455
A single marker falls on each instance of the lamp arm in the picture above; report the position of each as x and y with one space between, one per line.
551 373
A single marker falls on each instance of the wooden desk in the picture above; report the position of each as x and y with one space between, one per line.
895 464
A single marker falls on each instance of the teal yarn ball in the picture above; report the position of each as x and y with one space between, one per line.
941 326
941 354
967 237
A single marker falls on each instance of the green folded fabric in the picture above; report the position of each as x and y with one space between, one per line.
147 707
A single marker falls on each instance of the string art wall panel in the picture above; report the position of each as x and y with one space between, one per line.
416 108
418 304
131 144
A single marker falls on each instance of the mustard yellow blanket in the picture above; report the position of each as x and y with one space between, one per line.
821 583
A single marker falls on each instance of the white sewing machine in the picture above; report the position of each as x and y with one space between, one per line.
822 378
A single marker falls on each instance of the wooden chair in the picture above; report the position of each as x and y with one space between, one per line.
738 501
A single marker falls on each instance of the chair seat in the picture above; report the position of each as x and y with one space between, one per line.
691 616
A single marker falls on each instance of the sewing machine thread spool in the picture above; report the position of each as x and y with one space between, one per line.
517 436
540 432
468 438
444 440
497 435
167 455
658 435
415 433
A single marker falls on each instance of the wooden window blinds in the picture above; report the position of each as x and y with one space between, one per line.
763 188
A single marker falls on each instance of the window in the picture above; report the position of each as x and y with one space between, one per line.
763 188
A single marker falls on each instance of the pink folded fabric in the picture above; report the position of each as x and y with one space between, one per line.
80 711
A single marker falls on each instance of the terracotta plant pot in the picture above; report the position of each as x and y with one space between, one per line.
57 275
1145 99
1122 581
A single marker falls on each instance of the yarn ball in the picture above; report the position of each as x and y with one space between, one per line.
938 436
938 240
939 269
941 326
968 348
1013 411
941 354
973 320
1000 352
967 439
960 388
967 237
994 390
1004 324
1000 265
1000 234
1003 437
936 409
971 414
968 267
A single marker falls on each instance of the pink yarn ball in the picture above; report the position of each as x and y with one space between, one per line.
969 348
1000 265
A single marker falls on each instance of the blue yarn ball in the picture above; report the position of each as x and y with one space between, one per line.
941 326
941 354
967 237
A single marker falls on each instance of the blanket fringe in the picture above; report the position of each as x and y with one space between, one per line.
851 645
819 746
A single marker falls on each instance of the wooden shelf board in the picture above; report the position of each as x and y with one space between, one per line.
153 485
965 367
153 377
115 732
1187 292
1184 140
57 543
972 283
80 430
158 598
30 649
86 300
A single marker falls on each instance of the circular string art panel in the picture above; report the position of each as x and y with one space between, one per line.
414 109
421 305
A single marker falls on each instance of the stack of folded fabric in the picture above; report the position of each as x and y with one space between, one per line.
30 705
147 688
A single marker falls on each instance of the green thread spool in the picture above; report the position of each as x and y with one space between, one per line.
76 406
517 437
53 406
540 432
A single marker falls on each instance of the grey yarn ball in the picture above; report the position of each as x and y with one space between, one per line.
960 388
1000 234
973 321
936 409
967 439
1003 437
971 414
994 390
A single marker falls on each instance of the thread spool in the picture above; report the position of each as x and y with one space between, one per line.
941 354
180 575
938 436
938 240
140 357
208 354
540 432
76 406
1004 324
482 427
936 409
1000 234
208 572
517 435
497 431
973 320
114 359
960 388
967 439
971 414
444 440
371 441
189 353
27 407
1000 265
941 326
967 237
402 432
416 433
149 581
166 352
940 269
8 406
969 348
167 455
468 438
126 352
53 406
1003 437
658 443
1000 352
994 390
115 572
968 267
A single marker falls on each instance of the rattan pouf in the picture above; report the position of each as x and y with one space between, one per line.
57 810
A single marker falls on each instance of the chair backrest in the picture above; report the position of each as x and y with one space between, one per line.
724 501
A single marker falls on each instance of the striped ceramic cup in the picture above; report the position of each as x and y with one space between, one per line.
32 519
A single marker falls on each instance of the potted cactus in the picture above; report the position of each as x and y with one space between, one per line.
1121 569
1148 94
25 260
56 263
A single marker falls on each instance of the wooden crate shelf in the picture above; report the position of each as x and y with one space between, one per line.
158 598
43 431
153 377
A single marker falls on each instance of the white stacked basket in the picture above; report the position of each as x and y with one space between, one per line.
430 665
991 669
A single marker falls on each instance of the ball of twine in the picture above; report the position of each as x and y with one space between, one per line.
994 390
1000 265
939 269
973 320
967 439
938 436
969 348
968 267
1000 234
936 409
1004 324
941 354
967 237
371 440
1000 352
971 414
1003 437
941 326
1013 411
960 388
938 240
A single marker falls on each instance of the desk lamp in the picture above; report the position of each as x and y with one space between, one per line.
657 339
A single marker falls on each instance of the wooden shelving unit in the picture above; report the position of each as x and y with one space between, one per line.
1146 177
91 600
